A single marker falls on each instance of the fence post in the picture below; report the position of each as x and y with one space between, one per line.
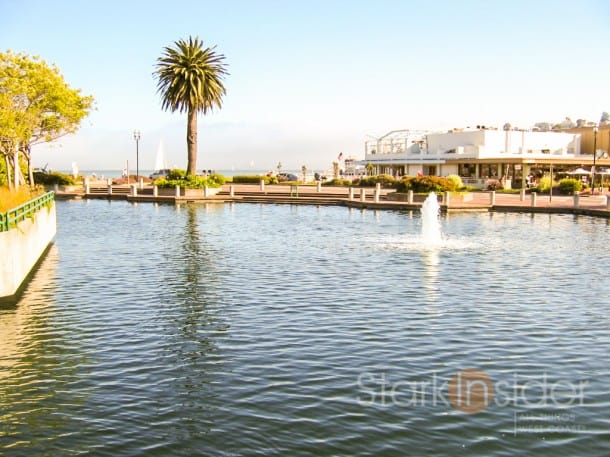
155 191
522 195
232 190
206 191
319 186
134 190
177 191
362 194
576 200
534 195
607 202
262 184
351 193
492 198
447 198
377 192
410 197
87 185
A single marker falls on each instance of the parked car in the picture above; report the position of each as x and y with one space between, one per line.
287 177
160 174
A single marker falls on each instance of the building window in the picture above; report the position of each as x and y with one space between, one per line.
467 170
489 170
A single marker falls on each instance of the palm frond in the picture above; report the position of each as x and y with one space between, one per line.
191 77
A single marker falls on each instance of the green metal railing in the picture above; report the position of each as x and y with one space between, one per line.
13 216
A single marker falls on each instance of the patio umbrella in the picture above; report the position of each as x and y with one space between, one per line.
579 171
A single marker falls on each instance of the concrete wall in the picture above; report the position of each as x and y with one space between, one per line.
22 248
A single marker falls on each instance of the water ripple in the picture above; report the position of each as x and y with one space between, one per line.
295 330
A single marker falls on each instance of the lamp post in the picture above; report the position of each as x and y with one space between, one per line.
594 157
136 136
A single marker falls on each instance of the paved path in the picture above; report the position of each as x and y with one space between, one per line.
595 205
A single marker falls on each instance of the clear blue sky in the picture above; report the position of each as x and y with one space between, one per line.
310 79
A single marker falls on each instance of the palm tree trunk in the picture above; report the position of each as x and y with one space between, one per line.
191 142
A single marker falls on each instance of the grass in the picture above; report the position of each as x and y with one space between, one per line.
10 199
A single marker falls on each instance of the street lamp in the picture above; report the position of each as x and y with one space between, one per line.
594 157
136 136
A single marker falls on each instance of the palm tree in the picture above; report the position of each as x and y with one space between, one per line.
191 80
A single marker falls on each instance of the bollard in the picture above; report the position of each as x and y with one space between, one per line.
109 189
522 195
362 195
177 191
55 188
492 198
155 191
576 200
447 198
377 192
232 191
534 195
141 183
206 191
351 193
607 202
134 190
262 185
319 186
87 186
410 197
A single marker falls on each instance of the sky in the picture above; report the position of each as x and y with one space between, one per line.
311 79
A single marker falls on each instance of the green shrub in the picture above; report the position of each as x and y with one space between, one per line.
52 178
570 186
254 179
544 184
176 173
384 180
338 182
189 182
456 180
425 184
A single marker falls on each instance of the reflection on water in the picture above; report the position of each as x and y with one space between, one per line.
431 261
276 330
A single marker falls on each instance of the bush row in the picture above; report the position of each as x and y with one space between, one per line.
52 178
254 179
178 177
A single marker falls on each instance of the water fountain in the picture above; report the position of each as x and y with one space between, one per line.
430 225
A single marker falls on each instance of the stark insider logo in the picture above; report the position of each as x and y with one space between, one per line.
470 391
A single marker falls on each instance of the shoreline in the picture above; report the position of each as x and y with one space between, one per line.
590 205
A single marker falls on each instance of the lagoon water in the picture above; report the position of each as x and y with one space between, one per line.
275 330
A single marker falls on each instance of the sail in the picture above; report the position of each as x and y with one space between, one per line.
160 160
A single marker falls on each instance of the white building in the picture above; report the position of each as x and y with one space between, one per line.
476 155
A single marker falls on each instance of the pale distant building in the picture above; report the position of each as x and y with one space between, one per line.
476 155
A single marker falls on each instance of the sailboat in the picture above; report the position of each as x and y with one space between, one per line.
160 160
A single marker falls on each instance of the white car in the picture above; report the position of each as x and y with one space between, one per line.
160 174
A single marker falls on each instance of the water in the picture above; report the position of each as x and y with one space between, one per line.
299 330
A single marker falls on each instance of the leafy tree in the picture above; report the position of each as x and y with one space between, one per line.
605 119
36 106
190 79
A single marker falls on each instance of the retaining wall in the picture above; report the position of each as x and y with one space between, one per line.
22 247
